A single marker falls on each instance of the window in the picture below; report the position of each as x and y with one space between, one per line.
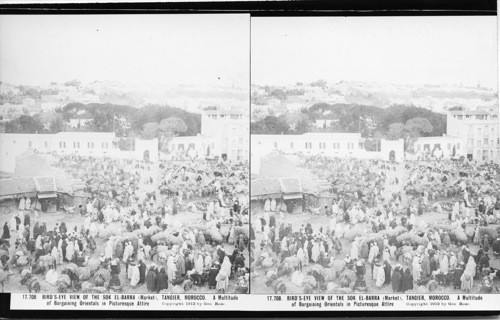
479 143
240 140
308 145
90 145
275 145
291 145
485 141
30 144
458 146
360 145
470 142
418 147
322 145
235 116
104 145
76 145
46 144
459 117
437 146
427 147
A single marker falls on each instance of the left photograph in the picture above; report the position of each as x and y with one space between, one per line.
124 153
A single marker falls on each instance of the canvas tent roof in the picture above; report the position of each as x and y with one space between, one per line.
261 187
290 187
15 186
45 184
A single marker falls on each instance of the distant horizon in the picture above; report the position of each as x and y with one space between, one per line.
136 49
408 50
293 83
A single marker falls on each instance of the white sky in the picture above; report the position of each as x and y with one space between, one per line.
136 49
401 50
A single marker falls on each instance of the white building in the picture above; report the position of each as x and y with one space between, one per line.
438 147
99 144
473 134
329 144
191 147
230 131
478 131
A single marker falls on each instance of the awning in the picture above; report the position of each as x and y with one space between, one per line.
292 196
47 195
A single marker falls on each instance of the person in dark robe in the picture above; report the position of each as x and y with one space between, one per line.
457 275
63 249
407 280
466 255
272 221
241 242
181 265
434 264
100 216
310 245
27 220
161 281
221 253
212 275
237 207
396 280
114 282
30 246
233 256
142 272
151 279
6 231
18 222
239 262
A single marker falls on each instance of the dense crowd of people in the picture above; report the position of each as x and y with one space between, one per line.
152 227
436 225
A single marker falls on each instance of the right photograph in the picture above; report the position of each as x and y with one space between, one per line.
374 155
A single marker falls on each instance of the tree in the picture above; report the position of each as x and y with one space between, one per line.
24 124
163 131
270 125
414 128
150 130
302 126
396 131
56 125
409 131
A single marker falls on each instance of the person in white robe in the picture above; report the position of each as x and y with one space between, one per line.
315 252
267 205
22 204
444 264
379 275
133 274
273 205
108 252
28 204
171 268
70 251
